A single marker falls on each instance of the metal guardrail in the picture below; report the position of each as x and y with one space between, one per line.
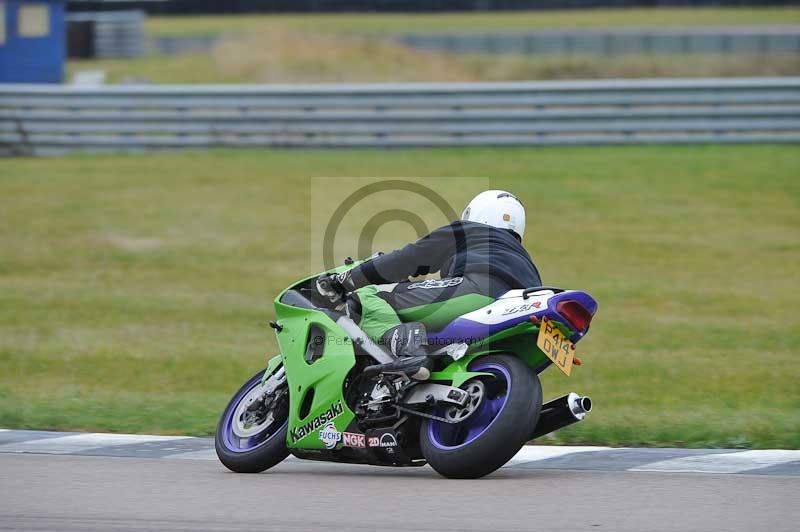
114 33
182 44
755 40
720 40
37 119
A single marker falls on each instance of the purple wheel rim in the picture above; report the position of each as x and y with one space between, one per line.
236 444
449 437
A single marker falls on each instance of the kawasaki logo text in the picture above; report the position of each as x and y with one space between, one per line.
298 433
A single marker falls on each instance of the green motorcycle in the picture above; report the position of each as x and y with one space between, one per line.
482 403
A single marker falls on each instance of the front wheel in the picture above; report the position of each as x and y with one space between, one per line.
494 425
251 435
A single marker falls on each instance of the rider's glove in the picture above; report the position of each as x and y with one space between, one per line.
330 286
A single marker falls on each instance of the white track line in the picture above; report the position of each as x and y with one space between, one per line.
729 462
534 453
81 442
724 463
205 454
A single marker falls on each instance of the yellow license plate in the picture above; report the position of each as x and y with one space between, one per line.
556 346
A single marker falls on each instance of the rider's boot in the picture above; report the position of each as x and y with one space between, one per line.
405 341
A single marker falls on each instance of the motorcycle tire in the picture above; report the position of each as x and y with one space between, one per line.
257 453
498 428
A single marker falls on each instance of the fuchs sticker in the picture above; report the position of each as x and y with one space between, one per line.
437 283
298 433
374 441
353 439
329 435
388 440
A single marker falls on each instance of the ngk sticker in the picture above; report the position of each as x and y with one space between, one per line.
353 439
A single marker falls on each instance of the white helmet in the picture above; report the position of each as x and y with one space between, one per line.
497 208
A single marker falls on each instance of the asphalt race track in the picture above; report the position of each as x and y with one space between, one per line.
74 482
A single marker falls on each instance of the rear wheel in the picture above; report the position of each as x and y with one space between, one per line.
490 431
251 435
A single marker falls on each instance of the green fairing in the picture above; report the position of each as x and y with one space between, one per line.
457 373
519 340
272 365
328 373
378 316
325 375
437 315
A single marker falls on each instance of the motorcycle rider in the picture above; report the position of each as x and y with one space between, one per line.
479 258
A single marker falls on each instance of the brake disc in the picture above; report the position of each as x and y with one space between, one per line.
254 411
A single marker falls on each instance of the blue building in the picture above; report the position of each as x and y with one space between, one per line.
32 41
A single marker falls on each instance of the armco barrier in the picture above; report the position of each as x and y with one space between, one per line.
114 33
752 40
38 119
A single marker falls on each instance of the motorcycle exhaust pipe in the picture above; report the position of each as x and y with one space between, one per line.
561 412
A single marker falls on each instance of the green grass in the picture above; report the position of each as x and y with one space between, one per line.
135 290
249 60
351 48
374 23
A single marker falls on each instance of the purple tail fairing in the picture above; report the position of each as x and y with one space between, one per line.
470 330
